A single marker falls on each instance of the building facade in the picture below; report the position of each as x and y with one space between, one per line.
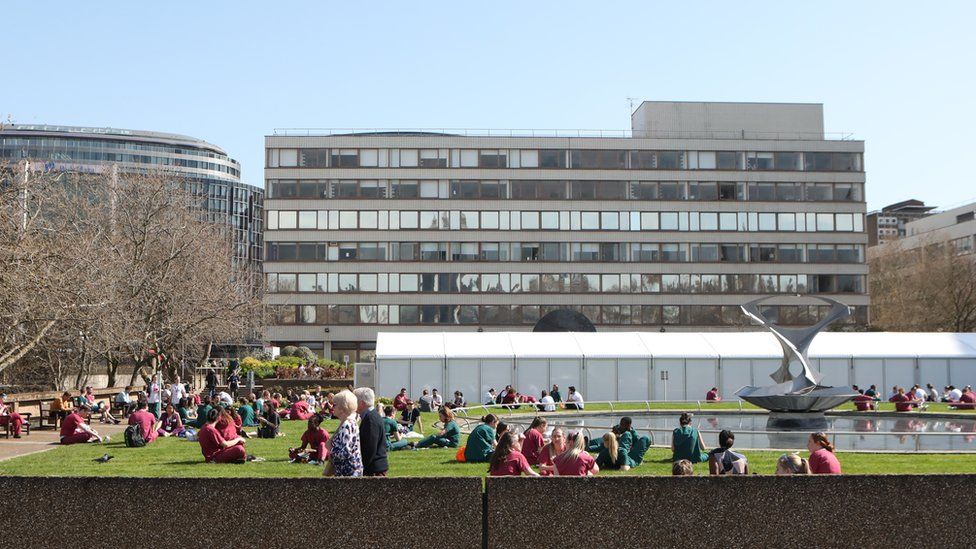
208 171
702 207
955 227
889 223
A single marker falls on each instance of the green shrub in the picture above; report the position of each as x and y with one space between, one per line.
289 350
307 354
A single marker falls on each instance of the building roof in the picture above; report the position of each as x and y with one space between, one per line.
116 134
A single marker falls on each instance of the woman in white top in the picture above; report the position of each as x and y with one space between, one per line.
176 392
547 403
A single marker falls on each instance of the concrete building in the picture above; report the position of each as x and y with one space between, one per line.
702 207
955 227
207 169
889 223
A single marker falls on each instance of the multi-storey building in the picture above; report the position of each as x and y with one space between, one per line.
702 207
889 223
955 227
206 168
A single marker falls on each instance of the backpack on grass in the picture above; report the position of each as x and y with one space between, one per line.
133 437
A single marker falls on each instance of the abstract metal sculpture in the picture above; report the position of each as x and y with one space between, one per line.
801 393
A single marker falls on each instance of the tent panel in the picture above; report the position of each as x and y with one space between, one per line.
426 373
633 378
836 371
674 387
495 374
700 376
392 375
532 376
565 372
601 379
736 373
870 371
934 371
900 372
962 371
463 374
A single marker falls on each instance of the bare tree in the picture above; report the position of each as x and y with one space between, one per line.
930 288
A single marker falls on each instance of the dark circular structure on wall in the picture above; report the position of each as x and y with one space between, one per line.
564 320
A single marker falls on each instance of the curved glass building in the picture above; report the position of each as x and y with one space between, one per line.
209 172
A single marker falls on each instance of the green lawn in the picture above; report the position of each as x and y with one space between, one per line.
179 458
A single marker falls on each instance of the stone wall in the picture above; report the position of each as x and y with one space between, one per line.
143 512
766 511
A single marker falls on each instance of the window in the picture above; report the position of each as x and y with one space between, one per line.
762 191
787 161
820 192
670 160
529 159
709 221
314 158
287 220
433 158
405 189
671 190
469 159
759 161
493 159
552 159
729 160
345 158
704 191
598 160
288 158
307 219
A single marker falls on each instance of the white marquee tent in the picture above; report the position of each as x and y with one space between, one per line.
634 365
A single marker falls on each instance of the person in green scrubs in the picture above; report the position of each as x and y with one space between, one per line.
448 437
394 440
687 442
631 442
246 413
202 410
481 441
611 447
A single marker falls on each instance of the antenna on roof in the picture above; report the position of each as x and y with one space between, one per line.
632 100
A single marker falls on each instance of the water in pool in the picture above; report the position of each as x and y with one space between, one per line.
862 432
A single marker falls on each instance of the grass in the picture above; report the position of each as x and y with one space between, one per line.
178 458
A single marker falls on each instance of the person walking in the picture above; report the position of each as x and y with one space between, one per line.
372 435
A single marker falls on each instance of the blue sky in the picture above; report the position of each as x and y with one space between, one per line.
898 75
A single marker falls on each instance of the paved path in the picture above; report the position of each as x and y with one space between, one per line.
42 440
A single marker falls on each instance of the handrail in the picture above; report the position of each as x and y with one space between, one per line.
568 133
700 405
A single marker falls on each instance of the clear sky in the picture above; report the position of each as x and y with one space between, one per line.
898 75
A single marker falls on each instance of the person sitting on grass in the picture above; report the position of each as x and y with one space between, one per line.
967 401
611 455
458 401
184 411
203 410
631 442
246 413
546 403
74 430
792 464
216 448
574 461
556 446
409 416
556 397
345 455
146 421
394 439
712 395
316 439
511 399
863 403
822 458
533 442
400 401
436 400
426 402
687 442
682 468
9 416
299 409
448 437
481 442
574 401
903 402
506 461
328 406
269 421
170 424
723 461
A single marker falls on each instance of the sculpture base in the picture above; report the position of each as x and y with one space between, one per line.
777 399
796 421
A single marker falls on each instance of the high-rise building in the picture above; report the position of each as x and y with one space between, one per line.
208 171
700 207
889 223
955 227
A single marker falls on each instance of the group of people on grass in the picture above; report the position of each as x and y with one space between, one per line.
916 397
548 401
688 448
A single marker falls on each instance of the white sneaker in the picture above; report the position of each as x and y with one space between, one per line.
106 439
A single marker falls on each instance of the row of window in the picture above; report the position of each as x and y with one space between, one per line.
565 252
102 156
579 159
61 144
527 315
471 189
574 283
454 220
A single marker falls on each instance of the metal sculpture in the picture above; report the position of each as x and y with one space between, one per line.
801 393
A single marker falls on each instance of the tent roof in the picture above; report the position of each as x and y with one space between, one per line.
545 345
409 345
677 345
478 345
437 345
611 345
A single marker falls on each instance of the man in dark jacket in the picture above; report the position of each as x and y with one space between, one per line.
372 436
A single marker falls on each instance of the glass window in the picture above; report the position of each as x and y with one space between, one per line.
469 158
762 191
609 221
671 190
729 160
708 221
314 158
553 190
643 190
288 158
598 159
550 220
409 220
287 219
816 161
703 190
530 159
552 159
287 282
307 220
670 314
489 220
669 221
368 220
493 159
787 221
845 222
820 191
848 192
670 160
642 160
406 189
825 222
590 221
408 158
788 161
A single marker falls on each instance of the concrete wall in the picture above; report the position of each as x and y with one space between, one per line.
769 120
767 511
403 512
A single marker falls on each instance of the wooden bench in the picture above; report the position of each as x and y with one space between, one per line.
8 427
52 417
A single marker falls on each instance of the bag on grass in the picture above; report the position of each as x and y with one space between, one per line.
133 437
459 456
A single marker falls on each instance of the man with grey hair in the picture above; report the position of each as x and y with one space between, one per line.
372 438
